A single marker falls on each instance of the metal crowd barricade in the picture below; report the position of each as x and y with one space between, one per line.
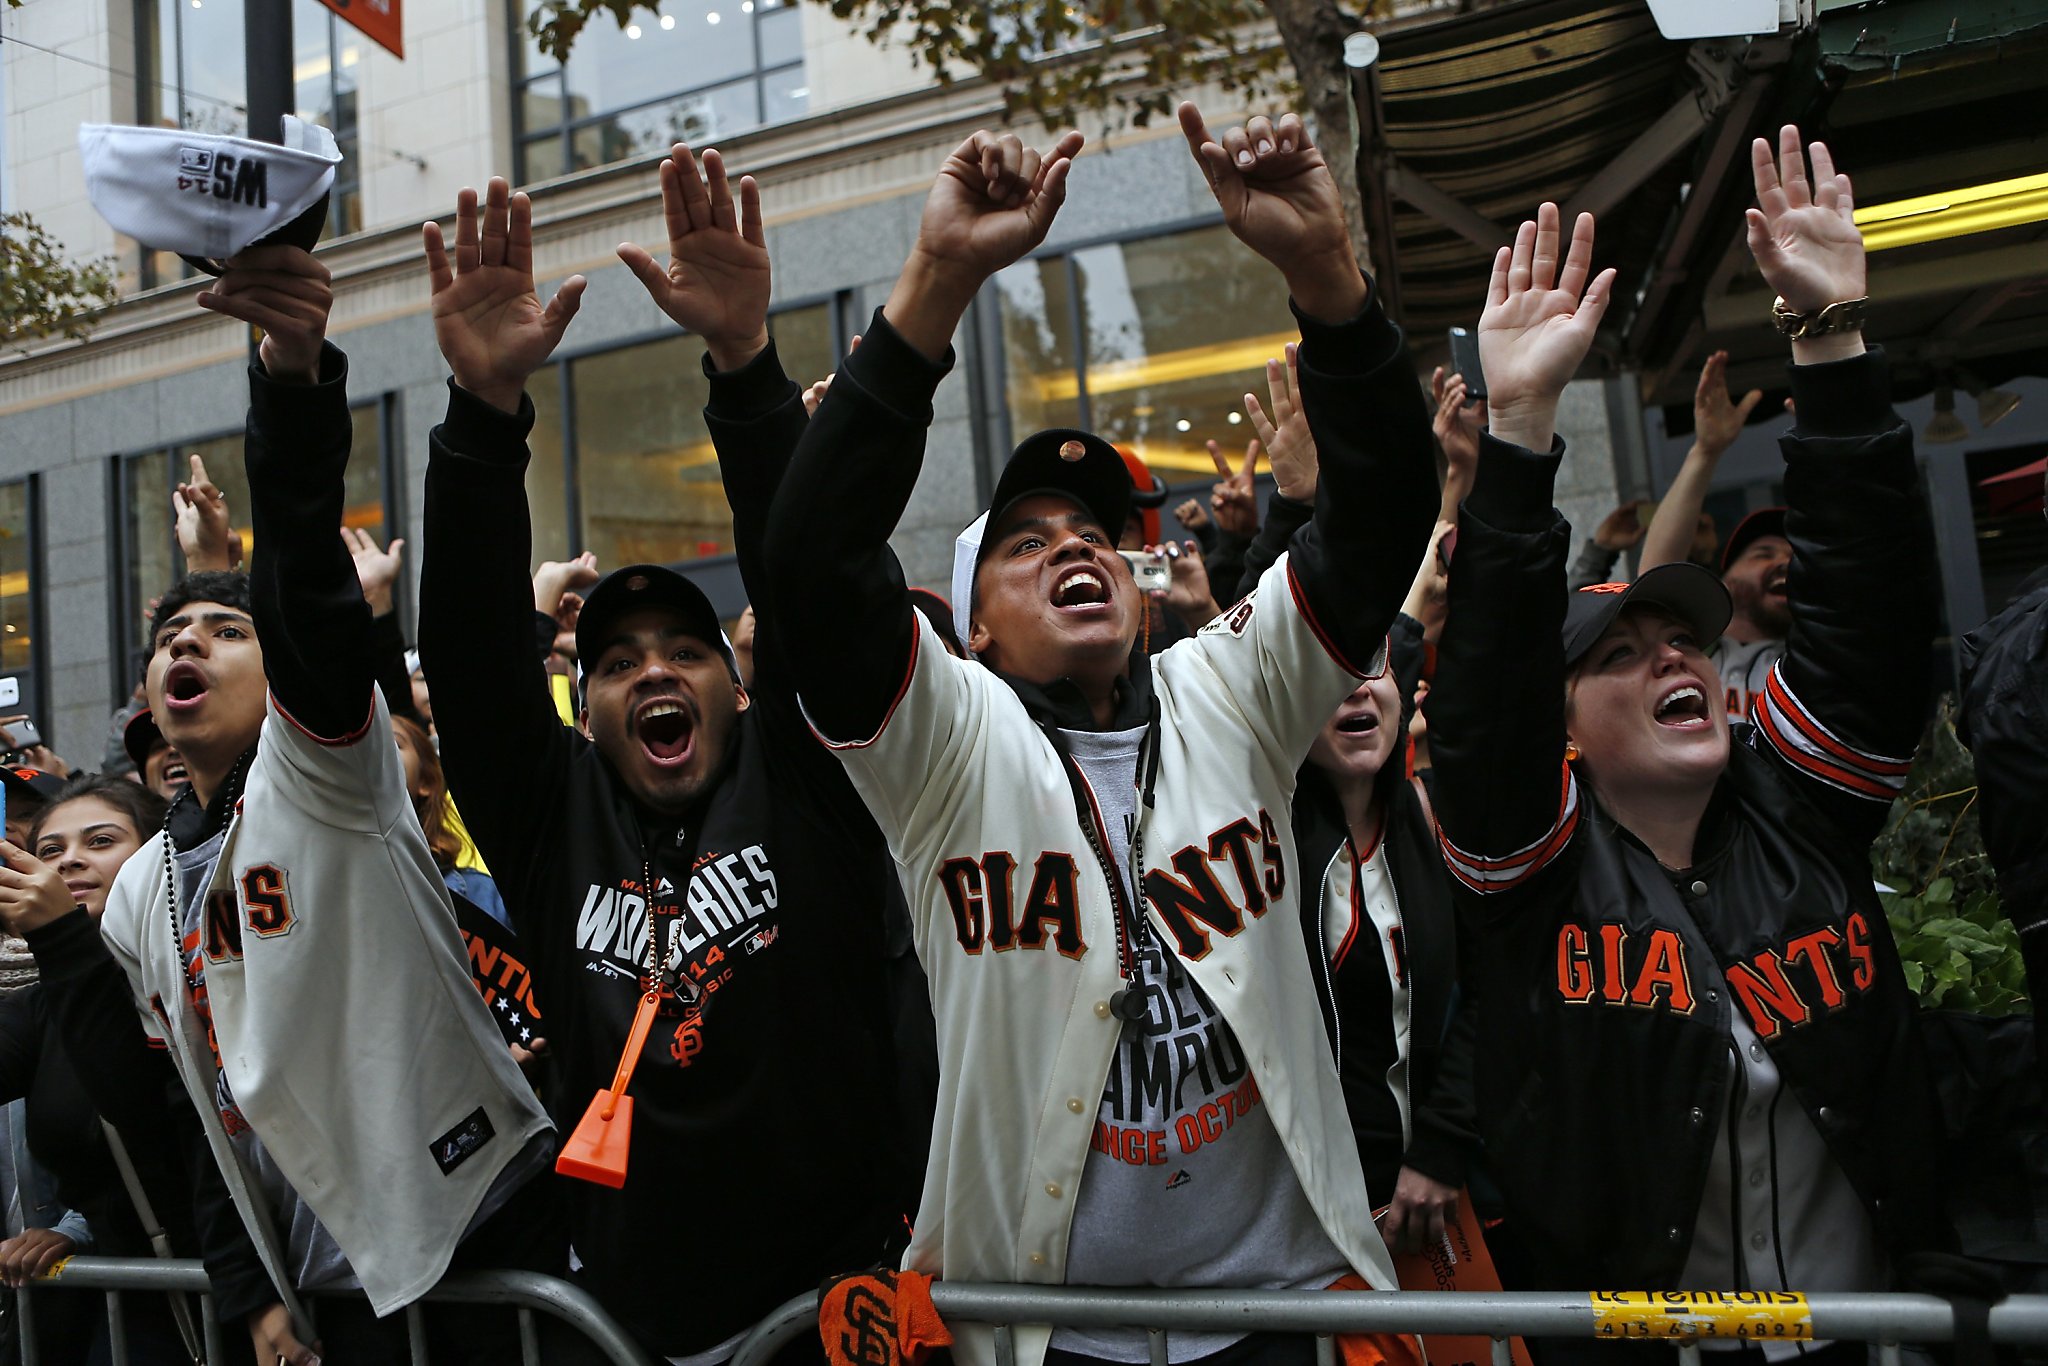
1886 1320
527 1292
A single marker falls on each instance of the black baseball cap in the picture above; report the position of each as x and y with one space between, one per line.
140 736
647 585
1687 591
1071 464
31 782
1762 522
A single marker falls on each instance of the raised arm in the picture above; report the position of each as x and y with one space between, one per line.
1505 803
493 708
850 649
1716 422
1844 708
308 605
717 287
1376 481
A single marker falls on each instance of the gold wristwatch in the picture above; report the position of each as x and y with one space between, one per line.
1845 315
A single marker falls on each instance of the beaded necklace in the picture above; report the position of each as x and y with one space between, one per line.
233 792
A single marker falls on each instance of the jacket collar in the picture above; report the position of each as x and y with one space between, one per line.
1061 704
189 824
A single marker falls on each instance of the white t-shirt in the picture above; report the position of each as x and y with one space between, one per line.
1744 667
1186 1183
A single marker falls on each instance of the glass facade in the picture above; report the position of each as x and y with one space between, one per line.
1152 343
701 69
620 439
191 75
18 566
149 539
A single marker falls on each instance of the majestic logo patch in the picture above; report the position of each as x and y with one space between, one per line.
460 1143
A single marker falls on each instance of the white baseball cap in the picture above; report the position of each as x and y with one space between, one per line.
205 196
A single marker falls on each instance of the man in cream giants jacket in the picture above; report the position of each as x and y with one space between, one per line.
316 998
1136 1088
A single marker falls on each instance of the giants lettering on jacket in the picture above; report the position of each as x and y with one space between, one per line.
727 892
1777 989
1004 902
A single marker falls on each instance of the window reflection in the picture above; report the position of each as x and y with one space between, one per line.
546 483
148 478
697 70
17 580
647 481
1175 331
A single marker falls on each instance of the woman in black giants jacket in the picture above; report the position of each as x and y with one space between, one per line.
1697 1058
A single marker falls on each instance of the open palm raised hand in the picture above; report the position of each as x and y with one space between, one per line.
717 281
1538 324
1803 233
490 323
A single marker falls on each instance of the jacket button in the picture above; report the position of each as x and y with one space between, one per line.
1759 1241
1827 1114
1052 1188
1074 1104
1038 1259
1699 1116
1675 1234
1711 994
1698 888
1756 1052
1102 1010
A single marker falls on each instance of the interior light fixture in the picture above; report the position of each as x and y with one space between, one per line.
668 21
1233 417
1182 425
633 32
1944 427
1166 367
711 18
1954 213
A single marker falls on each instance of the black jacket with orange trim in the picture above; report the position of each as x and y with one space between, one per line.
1606 982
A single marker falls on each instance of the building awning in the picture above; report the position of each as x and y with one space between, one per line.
1473 120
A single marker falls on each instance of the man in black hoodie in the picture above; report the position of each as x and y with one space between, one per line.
764 1150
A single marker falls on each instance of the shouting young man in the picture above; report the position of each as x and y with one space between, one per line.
1136 1088
763 1149
286 939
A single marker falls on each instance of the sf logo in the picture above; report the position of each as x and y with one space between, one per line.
870 1336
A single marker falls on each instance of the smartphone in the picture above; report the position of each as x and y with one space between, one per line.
1446 546
1150 571
25 734
1465 360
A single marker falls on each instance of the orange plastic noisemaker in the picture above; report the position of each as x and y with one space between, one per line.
597 1150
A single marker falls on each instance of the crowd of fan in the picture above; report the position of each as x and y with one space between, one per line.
1223 929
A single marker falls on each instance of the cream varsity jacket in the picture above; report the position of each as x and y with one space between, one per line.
351 1036
1015 925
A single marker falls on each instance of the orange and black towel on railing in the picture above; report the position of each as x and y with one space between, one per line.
880 1318
1373 1349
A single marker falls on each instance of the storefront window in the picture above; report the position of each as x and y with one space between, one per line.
149 536
700 69
17 596
1174 330
646 477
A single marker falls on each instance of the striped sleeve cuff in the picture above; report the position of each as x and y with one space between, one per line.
1491 876
1799 738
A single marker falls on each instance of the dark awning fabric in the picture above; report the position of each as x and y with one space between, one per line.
1503 109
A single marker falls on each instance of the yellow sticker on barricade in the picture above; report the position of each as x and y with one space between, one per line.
1755 1315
